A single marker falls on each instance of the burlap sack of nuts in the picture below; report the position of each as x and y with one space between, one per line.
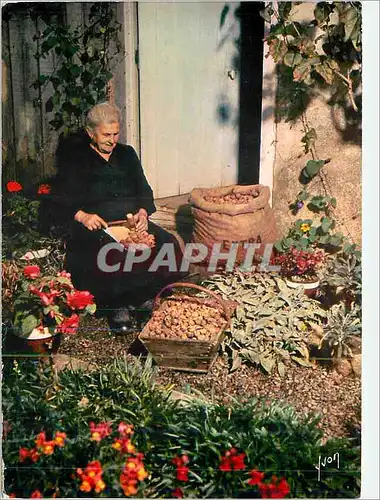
233 214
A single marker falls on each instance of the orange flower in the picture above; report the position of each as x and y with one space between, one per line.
91 477
133 472
85 486
48 447
123 445
36 494
99 486
59 439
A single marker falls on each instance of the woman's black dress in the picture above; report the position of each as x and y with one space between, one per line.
111 189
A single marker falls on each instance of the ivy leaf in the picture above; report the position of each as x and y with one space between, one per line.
336 240
350 17
313 167
277 49
326 224
292 59
284 9
325 71
302 71
322 12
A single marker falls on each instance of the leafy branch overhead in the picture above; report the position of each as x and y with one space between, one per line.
84 57
325 49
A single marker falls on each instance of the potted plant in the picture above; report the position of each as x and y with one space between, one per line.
47 307
299 268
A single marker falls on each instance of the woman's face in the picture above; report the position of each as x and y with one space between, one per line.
105 136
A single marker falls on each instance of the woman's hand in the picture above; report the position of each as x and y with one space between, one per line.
141 220
90 221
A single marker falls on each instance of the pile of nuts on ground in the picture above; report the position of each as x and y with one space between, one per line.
183 319
233 198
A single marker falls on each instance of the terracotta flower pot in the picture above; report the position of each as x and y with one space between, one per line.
39 342
310 287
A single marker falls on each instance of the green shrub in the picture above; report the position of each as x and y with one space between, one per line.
200 438
271 321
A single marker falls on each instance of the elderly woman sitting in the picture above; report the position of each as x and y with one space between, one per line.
100 180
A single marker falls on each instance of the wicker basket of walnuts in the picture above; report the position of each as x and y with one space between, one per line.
185 330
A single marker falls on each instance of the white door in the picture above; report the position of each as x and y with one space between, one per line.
189 95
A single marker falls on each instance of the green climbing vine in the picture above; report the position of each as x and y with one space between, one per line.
310 56
85 57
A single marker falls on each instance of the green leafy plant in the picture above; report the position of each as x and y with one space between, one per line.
343 278
19 220
342 330
85 56
269 324
196 450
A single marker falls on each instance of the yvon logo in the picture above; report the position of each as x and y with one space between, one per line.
325 461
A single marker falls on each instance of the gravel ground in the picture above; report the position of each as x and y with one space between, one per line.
317 389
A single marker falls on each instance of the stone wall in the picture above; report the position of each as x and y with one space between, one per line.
339 138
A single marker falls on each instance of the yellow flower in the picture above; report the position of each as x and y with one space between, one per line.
99 486
116 445
305 228
142 474
85 486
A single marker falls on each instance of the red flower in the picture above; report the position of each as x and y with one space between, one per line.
80 299
256 477
182 470
177 493
232 460
125 429
14 187
40 440
44 189
69 325
225 464
99 431
31 272
123 445
23 454
36 494
91 477
238 461
275 489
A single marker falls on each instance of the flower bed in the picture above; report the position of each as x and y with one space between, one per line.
112 432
